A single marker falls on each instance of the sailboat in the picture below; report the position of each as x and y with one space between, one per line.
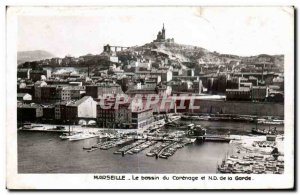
66 136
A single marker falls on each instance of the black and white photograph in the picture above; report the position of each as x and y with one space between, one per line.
166 96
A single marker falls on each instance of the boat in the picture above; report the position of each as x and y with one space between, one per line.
81 136
163 156
191 126
103 135
271 122
112 136
261 131
86 148
204 118
172 119
150 154
246 163
196 131
168 154
27 126
66 136
269 131
192 140
234 157
223 169
58 128
237 171
184 117
172 124
92 149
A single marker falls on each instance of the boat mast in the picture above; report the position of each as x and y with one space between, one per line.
256 123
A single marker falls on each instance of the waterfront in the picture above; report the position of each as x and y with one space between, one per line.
237 128
45 152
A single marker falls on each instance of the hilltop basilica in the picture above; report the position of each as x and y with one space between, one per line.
161 37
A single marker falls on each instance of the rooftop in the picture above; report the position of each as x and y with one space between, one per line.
105 84
19 95
73 88
78 102
141 91
32 105
259 87
245 89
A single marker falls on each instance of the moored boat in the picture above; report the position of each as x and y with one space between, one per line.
81 136
163 156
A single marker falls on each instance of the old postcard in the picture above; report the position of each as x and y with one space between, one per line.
137 97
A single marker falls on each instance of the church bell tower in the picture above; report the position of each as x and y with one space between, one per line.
163 32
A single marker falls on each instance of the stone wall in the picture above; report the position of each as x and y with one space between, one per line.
237 107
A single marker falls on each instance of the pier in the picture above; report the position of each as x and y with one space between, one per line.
216 138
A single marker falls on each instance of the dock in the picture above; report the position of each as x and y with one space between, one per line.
216 138
46 130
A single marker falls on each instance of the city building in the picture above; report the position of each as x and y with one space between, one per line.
85 108
23 73
177 72
165 75
55 61
50 92
241 94
276 96
141 117
36 75
60 111
144 93
72 92
37 89
253 80
197 87
279 81
106 115
189 72
161 90
24 97
188 87
100 89
48 113
259 93
29 112
26 88
233 83
126 116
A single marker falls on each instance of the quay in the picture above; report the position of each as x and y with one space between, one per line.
43 128
38 127
217 138
208 138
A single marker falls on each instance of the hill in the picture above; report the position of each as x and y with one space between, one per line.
179 55
29 56
194 56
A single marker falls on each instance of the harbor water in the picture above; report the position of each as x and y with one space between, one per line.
45 152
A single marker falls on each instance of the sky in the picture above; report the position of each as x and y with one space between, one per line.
81 30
